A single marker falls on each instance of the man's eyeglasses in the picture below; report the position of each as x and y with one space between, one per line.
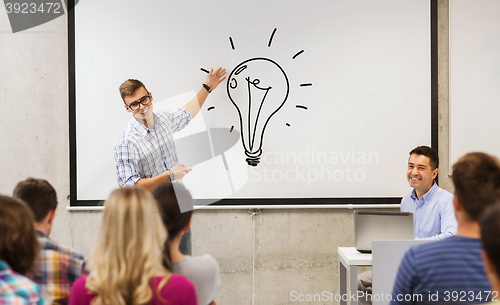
145 100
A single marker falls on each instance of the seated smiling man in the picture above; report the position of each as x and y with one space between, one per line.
432 206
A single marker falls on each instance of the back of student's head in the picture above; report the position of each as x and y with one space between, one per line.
428 152
40 196
18 241
490 232
476 177
129 248
168 197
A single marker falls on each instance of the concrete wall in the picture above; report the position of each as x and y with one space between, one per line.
295 250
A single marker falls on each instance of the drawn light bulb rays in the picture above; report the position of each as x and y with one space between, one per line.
258 88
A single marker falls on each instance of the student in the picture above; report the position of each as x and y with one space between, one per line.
57 266
127 258
203 270
432 206
18 250
145 154
440 270
490 232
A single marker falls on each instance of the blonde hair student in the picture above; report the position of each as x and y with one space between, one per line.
126 266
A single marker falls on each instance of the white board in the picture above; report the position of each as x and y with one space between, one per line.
358 100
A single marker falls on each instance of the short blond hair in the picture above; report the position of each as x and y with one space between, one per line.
128 87
129 249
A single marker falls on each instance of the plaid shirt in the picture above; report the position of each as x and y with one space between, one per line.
145 153
16 289
56 268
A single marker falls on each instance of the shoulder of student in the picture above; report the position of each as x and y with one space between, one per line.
204 266
72 256
434 250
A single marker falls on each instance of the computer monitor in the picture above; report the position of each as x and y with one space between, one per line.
369 226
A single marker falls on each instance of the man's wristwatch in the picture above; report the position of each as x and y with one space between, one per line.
207 87
172 177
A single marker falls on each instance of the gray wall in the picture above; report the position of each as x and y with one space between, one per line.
295 250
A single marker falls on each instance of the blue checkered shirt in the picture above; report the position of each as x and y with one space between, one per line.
145 153
16 289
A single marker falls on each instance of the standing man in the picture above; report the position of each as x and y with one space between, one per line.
432 206
145 155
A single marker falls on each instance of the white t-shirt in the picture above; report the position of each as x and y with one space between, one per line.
203 271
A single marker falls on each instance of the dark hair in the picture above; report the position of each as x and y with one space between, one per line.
168 197
428 152
18 240
40 196
490 230
476 177
128 87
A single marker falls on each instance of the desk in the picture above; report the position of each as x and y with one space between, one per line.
349 260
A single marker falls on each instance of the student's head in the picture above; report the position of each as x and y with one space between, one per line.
129 248
41 197
423 166
168 198
137 98
18 241
476 178
130 86
490 231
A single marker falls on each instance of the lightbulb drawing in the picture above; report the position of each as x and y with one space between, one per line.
258 88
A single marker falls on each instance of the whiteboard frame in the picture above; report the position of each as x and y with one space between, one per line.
377 202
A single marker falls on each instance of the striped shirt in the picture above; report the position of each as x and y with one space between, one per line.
56 268
145 153
16 289
442 272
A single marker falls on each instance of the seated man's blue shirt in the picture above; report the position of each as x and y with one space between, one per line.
433 213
